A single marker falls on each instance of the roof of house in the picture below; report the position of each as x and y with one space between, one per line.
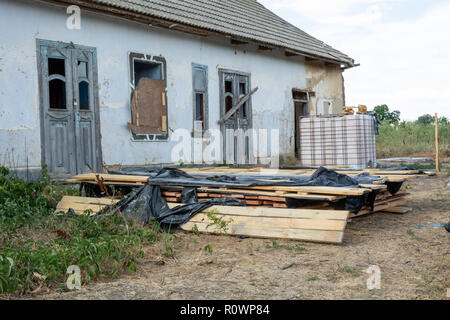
243 19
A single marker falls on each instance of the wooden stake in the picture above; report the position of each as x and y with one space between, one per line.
438 165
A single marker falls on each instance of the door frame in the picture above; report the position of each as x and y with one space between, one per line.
222 112
59 44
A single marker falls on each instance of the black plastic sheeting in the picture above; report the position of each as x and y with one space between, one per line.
402 169
176 177
146 204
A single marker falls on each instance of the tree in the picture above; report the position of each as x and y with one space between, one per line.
429 119
383 114
443 121
425 120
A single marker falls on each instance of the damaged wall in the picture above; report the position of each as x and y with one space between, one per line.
274 73
327 83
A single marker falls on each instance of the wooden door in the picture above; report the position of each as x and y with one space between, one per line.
69 114
235 86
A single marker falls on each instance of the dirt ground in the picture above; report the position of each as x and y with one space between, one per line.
414 262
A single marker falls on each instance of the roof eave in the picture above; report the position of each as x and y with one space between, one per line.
183 27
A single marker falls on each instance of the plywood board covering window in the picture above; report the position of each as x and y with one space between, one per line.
148 100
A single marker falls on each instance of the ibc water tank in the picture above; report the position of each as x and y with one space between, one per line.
338 141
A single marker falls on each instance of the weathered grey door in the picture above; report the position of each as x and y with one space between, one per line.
235 86
69 114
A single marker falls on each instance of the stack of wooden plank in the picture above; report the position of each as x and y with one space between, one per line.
306 197
388 176
326 226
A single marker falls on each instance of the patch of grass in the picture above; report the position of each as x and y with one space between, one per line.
312 278
298 248
350 270
167 243
208 249
195 230
411 233
426 283
37 245
409 138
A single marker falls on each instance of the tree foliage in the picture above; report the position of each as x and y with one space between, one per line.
427 119
385 115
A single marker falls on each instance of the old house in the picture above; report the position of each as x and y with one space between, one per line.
111 84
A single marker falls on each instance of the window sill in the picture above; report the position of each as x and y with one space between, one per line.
150 138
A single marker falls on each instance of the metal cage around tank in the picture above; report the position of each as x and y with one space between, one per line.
337 141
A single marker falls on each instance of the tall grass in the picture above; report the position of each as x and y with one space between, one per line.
411 139
37 245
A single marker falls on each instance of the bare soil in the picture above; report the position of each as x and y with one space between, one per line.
414 262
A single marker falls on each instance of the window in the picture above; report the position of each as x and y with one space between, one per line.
57 94
200 93
57 83
301 102
243 91
83 89
148 99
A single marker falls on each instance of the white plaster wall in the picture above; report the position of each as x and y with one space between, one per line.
22 22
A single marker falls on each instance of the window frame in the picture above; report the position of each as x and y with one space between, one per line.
135 56
204 69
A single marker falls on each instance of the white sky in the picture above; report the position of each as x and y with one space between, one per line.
403 47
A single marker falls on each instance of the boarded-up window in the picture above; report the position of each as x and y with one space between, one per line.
200 92
148 100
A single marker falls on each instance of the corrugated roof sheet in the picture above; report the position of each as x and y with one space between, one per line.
246 19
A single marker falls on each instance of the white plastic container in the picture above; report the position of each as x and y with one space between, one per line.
338 141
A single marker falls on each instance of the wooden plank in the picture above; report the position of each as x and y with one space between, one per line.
374 186
381 207
65 206
282 194
236 107
171 194
282 223
322 236
278 213
436 140
315 190
111 177
273 199
253 202
106 201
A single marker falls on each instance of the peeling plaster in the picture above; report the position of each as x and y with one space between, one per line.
327 83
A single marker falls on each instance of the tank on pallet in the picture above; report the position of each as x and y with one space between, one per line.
347 141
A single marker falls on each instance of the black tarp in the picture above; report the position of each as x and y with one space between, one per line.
146 203
177 177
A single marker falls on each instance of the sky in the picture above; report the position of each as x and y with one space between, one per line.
403 47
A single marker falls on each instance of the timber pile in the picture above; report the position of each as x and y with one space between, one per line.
324 226
305 197
388 176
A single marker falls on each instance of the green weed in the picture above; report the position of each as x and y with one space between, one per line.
220 224
37 245
275 245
